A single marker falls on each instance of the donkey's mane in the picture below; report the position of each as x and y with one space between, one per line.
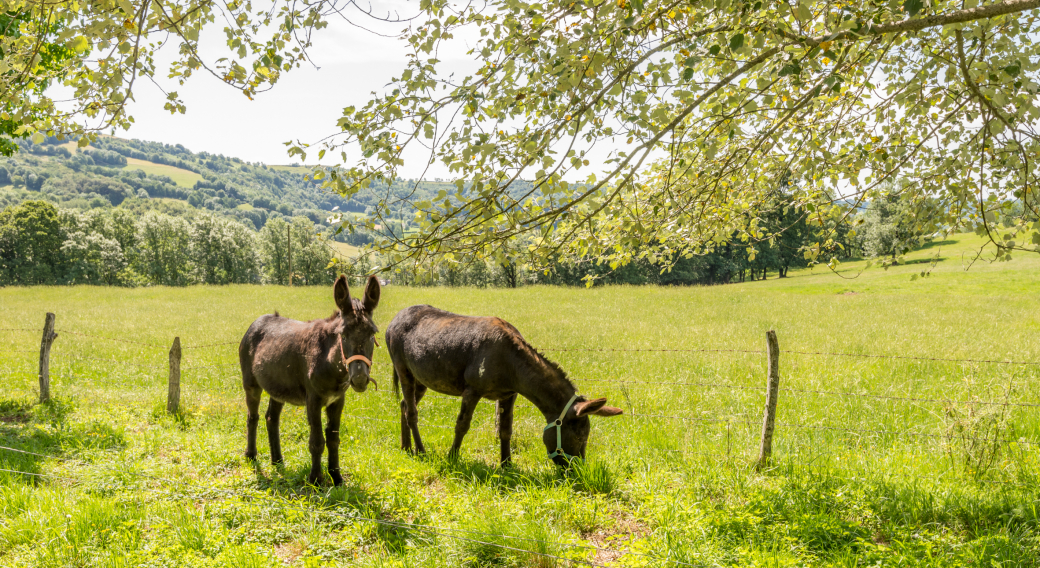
524 346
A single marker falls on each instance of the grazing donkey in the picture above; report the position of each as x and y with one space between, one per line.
478 357
309 364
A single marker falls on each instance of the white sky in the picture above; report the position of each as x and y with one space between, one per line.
348 64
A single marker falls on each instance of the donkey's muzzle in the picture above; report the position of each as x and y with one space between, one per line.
358 368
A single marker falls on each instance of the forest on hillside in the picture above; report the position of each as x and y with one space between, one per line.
139 176
129 212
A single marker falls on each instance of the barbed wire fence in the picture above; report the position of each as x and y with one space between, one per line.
769 416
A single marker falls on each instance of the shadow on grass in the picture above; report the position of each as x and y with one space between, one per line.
45 429
381 521
478 472
936 244
929 260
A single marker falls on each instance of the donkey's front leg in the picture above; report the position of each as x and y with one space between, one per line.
333 412
470 398
317 442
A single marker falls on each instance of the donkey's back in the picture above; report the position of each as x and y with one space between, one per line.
449 352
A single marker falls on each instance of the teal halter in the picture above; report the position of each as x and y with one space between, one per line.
559 435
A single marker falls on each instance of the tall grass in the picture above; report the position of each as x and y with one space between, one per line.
672 479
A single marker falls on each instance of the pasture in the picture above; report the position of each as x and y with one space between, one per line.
181 177
887 462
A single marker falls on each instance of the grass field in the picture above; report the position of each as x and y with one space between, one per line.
302 170
183 178
347 251
670 483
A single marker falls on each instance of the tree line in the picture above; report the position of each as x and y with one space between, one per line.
884 229
42 244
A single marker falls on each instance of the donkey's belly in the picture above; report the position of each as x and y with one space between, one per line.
280 390
441 384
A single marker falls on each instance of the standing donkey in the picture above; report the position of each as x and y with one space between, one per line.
309 364
480 357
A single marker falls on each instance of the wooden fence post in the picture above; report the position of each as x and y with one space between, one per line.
45 357
173 397
772 390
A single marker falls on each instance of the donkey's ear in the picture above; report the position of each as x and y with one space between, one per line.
596 407
341 294
372 293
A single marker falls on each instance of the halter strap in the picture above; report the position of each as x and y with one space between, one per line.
558 423
348 360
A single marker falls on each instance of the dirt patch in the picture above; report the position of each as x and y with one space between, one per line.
14 418
288 552
850 293
614 539
14 412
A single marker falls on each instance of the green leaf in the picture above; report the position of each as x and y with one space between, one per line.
736 42
912 7
687 74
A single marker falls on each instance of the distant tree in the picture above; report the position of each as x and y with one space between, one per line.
274 246
93 258
164 250
223 252
30 244
891 225
311 254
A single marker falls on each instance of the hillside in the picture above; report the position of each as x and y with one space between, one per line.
142 176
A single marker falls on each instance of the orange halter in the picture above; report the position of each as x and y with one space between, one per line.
362 358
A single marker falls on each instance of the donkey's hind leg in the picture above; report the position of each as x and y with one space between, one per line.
412 392
273 417
470 398
253 392
504 408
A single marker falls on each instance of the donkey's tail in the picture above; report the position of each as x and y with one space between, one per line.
397 388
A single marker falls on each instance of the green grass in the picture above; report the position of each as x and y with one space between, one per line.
183 178
347 251
302 170
668 488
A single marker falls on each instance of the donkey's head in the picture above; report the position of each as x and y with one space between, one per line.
357 336
566 438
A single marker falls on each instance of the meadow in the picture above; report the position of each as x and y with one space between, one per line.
877 461
181 177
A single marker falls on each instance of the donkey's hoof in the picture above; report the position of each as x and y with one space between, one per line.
251 456
337 479
314 479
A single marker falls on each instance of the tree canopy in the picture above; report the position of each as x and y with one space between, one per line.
651 129
99 50
705 108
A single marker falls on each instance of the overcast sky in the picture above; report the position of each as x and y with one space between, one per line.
348 64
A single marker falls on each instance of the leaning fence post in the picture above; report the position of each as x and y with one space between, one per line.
45 357
173 397
772 390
